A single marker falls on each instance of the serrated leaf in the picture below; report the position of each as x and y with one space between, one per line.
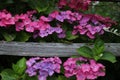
8 37
98 47
8 74
20 66
85 52
39 5
26 77
51 8
52 78
69 36
109 57
61 78
22 36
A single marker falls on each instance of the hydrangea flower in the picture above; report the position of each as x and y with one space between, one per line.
83 68
85 24
6 19
44 67
75 4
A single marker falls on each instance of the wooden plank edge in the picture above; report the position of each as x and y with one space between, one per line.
48 49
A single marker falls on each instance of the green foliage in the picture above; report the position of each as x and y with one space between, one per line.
109 57
17 72
61 78
69 36
97 52
109 9
26 77
85 51
42 5
20 66
98 47
9 74
22 36
39 5
8 37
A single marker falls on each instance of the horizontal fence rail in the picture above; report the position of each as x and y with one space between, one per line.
48 49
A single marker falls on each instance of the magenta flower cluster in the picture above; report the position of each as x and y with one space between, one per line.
83 69
28 22
43 67
75 4
80 67
6 19
84 24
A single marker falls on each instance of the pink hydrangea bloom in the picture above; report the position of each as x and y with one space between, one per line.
75 4
85 24
53 14
85 69
6 19
62 3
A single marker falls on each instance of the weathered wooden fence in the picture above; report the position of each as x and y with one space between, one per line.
48 49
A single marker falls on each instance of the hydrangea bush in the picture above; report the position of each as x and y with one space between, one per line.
55 19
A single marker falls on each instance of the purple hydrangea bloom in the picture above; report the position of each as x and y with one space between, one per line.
50 30
31 71
58 29
43 33
44 67
60 18
62 34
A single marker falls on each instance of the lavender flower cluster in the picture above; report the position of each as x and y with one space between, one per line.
80 67
43 67
39 27
86 24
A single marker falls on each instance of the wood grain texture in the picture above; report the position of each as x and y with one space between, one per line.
48 49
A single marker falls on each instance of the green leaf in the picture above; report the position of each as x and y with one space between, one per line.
62 70
22 36
51 8
69 36
61 78
25 0
9 74
39 5
53 77
26 77
98 47
8 37
85 52
20 66
9 1
109 57
1 68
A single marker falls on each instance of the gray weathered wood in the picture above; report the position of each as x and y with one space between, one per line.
48 49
